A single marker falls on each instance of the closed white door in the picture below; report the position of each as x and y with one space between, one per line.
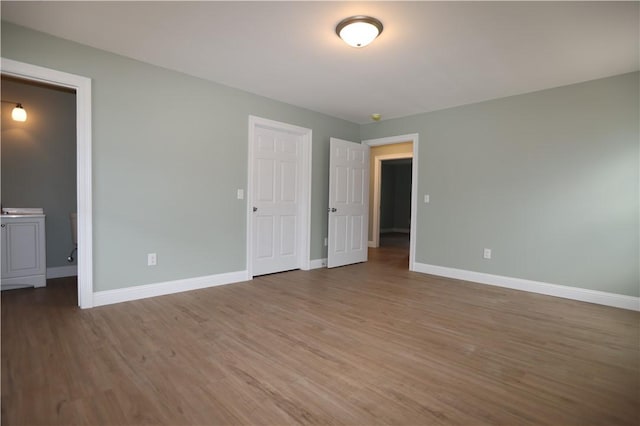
276 200
348 203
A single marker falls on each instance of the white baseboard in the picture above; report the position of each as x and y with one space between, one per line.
401 230
36 281
62 271
318 263
371 244
575 293
109 297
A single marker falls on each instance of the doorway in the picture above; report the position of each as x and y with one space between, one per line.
394 222
403 147
384 154
82 87
39 171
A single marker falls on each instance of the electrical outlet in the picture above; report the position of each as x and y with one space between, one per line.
326 241
487 253
152 259
426 198
240 194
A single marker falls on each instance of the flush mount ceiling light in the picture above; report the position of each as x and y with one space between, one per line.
358 31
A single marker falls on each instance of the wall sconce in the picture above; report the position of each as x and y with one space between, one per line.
18 113
358 31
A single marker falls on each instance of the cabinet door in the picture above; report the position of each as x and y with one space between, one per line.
24 248
3 253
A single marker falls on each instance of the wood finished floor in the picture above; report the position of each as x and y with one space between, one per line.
361 345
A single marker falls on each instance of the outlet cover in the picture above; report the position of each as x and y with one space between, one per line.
152 259
487 253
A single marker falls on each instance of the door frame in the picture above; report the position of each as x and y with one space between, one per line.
377 184
304 207
414 138
82 86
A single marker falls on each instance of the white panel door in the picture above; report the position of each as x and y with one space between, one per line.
276 187
348 203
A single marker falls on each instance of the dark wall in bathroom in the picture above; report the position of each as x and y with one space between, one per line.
39 159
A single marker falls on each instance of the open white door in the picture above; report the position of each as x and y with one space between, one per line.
348 203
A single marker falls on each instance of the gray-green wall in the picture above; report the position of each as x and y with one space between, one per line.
169 153
39 160
548 180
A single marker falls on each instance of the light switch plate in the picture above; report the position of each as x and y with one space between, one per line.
240 194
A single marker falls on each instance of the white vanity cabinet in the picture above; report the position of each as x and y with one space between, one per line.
24 262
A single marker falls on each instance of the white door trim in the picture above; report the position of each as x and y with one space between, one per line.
82 86
304 216
414 138
377 182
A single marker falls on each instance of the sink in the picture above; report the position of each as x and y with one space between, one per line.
15 211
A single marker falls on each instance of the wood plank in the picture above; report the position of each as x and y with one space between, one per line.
370 343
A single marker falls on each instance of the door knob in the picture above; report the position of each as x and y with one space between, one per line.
255 209
333 210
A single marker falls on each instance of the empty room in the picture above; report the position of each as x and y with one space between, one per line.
354 213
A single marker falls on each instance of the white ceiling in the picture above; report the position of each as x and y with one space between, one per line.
430 56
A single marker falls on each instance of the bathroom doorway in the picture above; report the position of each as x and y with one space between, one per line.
38 167
82 87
